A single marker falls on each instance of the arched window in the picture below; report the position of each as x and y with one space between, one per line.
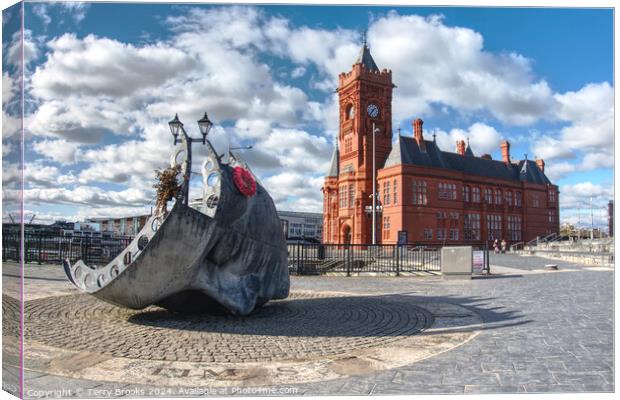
350 111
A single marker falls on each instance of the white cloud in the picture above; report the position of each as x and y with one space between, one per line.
84 213
9 88
432 62
290 188
81 120
557 170
21 43
10 125
591 113
589 134
579 194
482 138
76 9
34 175
86 195
7 148
101 67
297 150
41 11
61 151
549 148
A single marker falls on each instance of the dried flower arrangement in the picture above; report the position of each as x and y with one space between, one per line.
167 187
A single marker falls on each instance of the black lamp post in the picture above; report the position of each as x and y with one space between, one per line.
176 128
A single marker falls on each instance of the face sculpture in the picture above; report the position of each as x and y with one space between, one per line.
228 256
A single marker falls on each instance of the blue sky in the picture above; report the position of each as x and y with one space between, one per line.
102 80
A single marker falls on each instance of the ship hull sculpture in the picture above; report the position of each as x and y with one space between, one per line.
230 256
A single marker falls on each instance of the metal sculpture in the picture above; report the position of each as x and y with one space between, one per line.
230 254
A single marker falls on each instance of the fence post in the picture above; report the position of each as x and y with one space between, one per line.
397 260
27 246
348 250
298 248
40 245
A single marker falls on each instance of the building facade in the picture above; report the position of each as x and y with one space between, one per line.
428 195
301 225
296 225
123 226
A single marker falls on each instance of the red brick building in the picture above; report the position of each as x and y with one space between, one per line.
436 196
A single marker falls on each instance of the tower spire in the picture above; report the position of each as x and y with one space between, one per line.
365 58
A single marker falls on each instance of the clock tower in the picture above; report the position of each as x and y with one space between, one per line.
365 100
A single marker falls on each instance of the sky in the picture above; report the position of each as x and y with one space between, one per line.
102 80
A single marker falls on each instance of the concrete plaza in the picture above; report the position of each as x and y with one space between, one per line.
522 329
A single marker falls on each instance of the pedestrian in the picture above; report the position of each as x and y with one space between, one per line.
503 246
496 246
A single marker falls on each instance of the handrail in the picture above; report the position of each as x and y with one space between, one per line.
512 246
544 239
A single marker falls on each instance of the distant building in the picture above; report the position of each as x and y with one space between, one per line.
57 228
295 225
301 225
122 226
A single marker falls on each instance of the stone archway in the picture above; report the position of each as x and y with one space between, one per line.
345 234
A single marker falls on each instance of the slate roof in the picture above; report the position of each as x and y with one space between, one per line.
333 169
407 151
366 59
468 151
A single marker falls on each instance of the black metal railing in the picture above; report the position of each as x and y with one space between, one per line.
44 248
352 259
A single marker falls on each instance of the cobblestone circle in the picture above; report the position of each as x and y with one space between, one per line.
10 316
303 327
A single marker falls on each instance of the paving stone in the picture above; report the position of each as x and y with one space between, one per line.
469 389
581 378
545 388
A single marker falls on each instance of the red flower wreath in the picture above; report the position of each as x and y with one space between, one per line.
244 181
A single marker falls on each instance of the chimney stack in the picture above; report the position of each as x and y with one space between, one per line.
460 147
506 151
417 133
540 163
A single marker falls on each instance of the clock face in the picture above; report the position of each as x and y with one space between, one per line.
373 110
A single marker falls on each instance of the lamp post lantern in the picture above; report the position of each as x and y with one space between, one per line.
176 128
205 126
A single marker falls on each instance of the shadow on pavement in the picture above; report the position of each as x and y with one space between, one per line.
347 316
